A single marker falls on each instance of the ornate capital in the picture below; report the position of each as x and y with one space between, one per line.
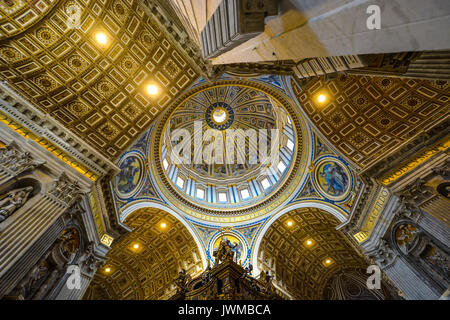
407 210
89 262
65 190
384 255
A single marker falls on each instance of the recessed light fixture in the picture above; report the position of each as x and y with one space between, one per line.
107 269
290 223
136 246
163 225
152 89
309 243
322 98
327 262
101 38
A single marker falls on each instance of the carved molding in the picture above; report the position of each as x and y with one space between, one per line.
65 191
383 255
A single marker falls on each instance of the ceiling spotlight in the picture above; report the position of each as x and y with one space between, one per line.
136 246
108 270
101 38
163 225
152 89
327 262
309 243
290 223
322 98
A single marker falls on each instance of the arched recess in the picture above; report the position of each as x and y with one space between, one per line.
147 272
148 204
307 204
301 268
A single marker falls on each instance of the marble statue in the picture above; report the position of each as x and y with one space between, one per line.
12 201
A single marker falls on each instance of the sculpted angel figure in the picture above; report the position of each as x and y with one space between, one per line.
12 201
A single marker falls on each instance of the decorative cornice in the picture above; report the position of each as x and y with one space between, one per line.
20 114
396 158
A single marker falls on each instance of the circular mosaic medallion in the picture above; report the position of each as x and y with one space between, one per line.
130 176
219 116
333 179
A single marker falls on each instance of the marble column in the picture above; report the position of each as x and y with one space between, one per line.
323 28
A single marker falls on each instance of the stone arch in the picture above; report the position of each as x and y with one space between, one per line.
307 204
148 204
300 269
148 270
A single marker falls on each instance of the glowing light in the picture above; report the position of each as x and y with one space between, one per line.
136 246
163 225
327 262
222 197
219 115
290 145
245 194
281 167
165 164
101 37
108 270
309 243
290 223
200 194
265 183
322 98
152 89
180 182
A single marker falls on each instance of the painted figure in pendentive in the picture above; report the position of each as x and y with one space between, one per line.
12 201
335 178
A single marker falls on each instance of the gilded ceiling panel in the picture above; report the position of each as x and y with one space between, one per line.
366 117
146 272
97 90
17 16
299 265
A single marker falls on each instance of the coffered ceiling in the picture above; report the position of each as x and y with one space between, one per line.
301 268
98 91
148 272
19 15
367 117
